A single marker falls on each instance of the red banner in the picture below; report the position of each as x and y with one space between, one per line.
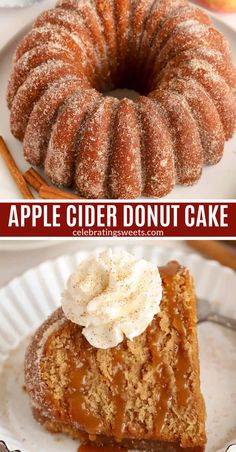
117 219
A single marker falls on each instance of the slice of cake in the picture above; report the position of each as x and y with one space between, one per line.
125 371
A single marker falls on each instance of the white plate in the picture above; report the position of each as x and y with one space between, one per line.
16 3
26 301
216 182
23 245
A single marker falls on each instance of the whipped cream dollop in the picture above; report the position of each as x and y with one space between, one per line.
112 295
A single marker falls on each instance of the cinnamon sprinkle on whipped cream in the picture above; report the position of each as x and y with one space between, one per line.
112 295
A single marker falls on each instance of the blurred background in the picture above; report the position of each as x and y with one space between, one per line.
17 256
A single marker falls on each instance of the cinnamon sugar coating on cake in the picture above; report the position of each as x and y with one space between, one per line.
63 142
159 162
94 153
188 150
146 45
142 393
87 11
38 131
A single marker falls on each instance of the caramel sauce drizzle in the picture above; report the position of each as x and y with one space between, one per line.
77 388
183 365
89 448
182 373
119 386
176 315
161 377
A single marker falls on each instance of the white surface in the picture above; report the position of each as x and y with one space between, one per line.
216 182
27 300
12 20
15 3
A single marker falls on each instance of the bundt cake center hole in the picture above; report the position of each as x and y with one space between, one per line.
123 93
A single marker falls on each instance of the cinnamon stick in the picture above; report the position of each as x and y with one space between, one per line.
44 190
34 179
214 250
48 192
14 170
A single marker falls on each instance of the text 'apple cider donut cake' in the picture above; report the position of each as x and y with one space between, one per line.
167 50
118 364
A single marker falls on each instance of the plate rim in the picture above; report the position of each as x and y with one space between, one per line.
93 250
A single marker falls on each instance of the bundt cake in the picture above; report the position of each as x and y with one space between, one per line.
140 394
168 51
